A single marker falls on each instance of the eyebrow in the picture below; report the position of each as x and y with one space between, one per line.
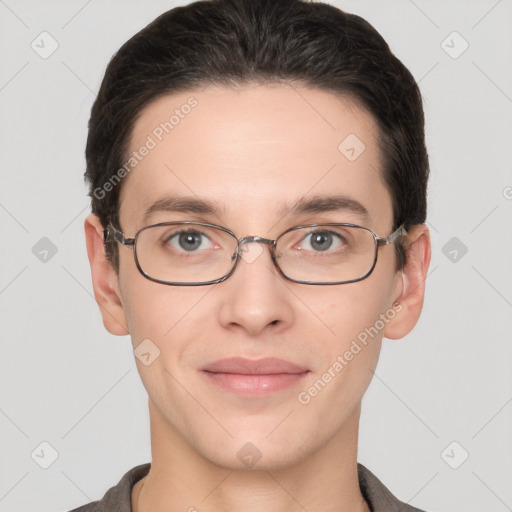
183 204
326 204
315 204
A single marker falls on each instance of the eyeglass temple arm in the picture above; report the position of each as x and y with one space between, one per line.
400 231
118 236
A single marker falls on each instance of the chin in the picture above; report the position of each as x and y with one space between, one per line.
254 453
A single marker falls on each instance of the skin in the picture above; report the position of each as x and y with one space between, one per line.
253 149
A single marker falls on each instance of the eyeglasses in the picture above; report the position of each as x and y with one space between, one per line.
197 253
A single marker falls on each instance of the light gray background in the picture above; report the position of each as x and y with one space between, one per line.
65 381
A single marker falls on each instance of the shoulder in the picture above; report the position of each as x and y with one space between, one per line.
378 496
118 497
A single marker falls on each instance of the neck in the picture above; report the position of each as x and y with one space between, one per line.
182 479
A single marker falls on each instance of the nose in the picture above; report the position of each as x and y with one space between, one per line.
255 297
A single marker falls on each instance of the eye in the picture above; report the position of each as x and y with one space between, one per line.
321 241
189 241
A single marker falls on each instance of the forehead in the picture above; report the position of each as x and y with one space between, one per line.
253 151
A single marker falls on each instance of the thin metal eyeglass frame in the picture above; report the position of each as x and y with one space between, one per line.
121 238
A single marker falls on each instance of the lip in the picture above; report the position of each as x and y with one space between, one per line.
243 366
254 377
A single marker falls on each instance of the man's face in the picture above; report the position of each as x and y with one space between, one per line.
252 152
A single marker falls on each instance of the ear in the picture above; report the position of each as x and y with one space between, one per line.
104 279
411 283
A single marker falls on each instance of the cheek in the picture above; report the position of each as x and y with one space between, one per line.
166 325
354 309
349 357
153 310
163 327
356 315
356 328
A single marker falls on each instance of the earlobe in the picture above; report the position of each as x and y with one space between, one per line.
412 289
104 279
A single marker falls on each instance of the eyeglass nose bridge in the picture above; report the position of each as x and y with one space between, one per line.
251 239
254 239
